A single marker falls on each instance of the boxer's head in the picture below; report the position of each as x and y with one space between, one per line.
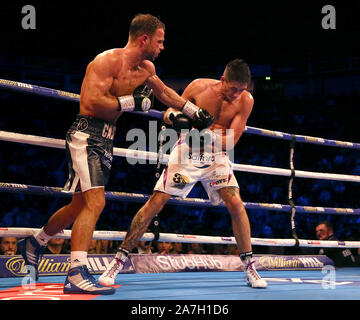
149 31
236 79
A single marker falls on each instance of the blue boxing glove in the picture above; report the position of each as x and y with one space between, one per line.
141 100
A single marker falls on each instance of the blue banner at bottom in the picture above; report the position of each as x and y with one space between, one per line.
153 263
55 265
13 266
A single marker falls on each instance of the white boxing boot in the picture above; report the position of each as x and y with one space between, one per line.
252 278
113 269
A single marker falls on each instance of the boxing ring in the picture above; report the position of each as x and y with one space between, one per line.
319 283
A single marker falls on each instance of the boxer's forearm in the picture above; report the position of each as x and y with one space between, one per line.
170 98
164 94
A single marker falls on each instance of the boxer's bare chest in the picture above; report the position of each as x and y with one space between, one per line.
127 80
222 110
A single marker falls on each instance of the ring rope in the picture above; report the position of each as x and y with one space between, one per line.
137 197
185 238
57 143
153 156
59 94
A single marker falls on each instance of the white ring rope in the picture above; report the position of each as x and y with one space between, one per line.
152 156
186 238
63 95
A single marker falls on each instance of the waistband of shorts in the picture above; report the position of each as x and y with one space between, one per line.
181 143
96 126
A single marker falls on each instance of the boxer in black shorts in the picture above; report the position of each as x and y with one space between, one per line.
89 150
108 90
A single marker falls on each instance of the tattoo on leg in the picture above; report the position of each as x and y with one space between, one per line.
233 191
136 230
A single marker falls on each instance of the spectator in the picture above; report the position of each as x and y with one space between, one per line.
105 246
144 247
177 248
163 247
218 249
8 246
232 249
94 247
56 246
100 247
341 257
196 248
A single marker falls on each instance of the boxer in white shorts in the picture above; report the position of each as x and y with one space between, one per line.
188 165
230 103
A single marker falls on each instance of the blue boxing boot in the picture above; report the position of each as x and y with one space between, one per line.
80 281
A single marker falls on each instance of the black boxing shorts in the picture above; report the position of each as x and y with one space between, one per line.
89 151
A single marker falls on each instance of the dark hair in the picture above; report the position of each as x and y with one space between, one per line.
328 224
144 23
238 70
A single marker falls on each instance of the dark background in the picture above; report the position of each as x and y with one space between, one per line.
313 91
198 34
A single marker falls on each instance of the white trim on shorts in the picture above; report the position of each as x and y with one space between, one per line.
79 157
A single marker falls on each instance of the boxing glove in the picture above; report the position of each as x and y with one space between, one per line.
141 100
179 121
201 118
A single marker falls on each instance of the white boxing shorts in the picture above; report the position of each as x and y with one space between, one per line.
186 167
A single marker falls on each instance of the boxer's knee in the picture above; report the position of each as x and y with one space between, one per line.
232 199
94 200
157 201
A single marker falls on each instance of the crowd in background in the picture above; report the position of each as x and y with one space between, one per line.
328 116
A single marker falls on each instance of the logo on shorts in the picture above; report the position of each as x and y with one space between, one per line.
180 180
201 157
83 124
108 131
215 183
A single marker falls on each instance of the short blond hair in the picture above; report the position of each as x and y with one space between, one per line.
144 24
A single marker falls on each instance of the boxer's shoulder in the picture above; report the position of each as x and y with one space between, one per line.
148 66
246 98
244 103
109 61
200 85
110 55
203 82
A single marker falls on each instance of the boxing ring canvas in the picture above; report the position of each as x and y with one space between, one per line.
216 286
326 283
